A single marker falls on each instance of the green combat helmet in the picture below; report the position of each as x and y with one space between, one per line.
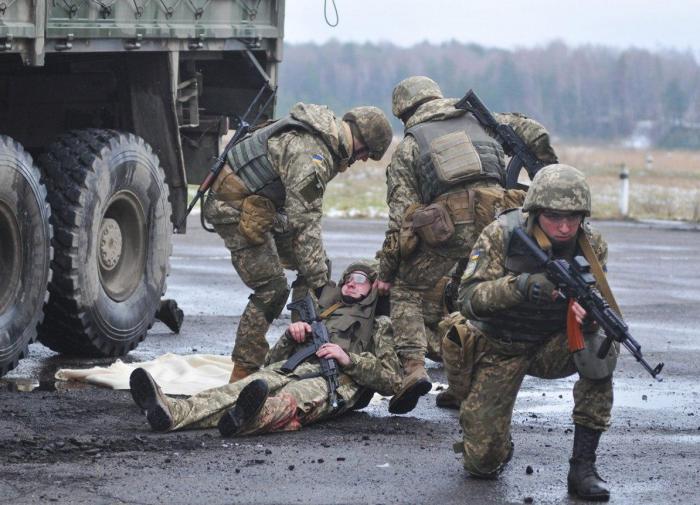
559 187
368 267
412 92
373 128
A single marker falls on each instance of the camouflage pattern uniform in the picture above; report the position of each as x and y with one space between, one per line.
301 397
508 337
305 161
421 271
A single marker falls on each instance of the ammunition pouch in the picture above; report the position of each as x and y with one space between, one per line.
408 240
257 218
488 202
229 188
433 224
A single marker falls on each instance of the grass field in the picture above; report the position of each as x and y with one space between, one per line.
670 189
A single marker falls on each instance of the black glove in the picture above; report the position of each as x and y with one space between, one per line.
537 288
450 295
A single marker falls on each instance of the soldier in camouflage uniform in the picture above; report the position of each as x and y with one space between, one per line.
267 203
444 154
517 326
271 400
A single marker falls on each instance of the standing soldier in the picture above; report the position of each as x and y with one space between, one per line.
518 324
444 156
267 203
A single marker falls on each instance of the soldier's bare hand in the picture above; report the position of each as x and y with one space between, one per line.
334 351
579 312
299 330
383 287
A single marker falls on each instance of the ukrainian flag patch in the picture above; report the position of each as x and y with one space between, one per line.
318 158
471 266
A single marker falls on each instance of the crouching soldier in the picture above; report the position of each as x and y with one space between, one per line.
518 324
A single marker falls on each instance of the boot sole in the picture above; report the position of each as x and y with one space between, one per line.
409 399
248 405
144 391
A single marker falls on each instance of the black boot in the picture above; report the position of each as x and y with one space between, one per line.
170 315
583 480
249 404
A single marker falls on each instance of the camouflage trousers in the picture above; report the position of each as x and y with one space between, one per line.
261 268
293 403
417 276
488 373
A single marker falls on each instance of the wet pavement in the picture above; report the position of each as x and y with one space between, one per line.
75 443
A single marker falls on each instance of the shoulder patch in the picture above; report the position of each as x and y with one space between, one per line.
471 266
318 158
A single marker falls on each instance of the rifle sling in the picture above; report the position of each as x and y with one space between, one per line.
597 271
330 310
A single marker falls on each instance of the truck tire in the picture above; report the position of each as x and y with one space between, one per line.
112 242
25 251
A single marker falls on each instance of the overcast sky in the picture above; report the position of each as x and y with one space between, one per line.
651 24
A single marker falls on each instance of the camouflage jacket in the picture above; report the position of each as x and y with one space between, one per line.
402 182
488 293
305 162
376 368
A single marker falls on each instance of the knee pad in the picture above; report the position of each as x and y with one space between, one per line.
270 299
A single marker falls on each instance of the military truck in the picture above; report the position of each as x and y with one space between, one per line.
108 108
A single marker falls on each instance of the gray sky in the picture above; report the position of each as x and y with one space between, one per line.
651 24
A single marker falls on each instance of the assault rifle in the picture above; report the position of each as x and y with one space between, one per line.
319 336
241 131
576 281
513 145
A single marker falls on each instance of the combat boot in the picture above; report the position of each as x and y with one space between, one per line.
150 399
416 383
248 405
447 400
583 479
170 315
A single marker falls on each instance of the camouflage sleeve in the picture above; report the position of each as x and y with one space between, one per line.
533 133
283 349
402 191
379 370
306 174
486 287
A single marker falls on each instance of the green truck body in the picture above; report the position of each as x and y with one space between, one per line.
95 96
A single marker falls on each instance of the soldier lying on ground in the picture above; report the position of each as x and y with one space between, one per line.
267 203
270 400
518 324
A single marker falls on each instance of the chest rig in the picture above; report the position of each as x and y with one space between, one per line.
349 326
249 160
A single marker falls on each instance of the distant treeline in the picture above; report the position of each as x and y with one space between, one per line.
586 92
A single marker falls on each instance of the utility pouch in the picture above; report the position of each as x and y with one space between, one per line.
257 218
433 224
408 240
488 202
229 188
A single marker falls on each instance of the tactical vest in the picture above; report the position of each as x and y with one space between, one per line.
526 321
350 326
454 152
249 161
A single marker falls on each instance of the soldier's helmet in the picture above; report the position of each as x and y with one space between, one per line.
373 128
412 92
368 267
558 187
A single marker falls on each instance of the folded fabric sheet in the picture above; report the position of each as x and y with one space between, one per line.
175 374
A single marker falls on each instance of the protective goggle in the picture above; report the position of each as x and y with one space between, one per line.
357 277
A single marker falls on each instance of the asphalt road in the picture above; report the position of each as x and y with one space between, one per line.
72 443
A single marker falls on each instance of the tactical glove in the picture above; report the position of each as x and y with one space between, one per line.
536 288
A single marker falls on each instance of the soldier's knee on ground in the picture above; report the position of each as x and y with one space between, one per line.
486 460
